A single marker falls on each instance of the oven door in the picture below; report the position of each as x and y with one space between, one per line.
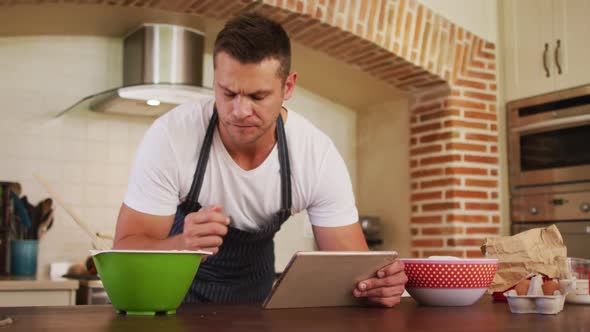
576 235
550 152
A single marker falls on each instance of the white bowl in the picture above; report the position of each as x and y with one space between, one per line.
445 281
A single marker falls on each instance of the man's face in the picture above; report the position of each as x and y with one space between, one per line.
249 98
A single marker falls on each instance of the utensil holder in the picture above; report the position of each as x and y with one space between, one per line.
23 257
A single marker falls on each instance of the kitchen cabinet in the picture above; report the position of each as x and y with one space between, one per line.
546 46
572 30
91 292
26 293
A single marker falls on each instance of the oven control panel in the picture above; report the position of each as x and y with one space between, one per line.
550 207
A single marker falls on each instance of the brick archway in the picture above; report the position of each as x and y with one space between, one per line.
450 75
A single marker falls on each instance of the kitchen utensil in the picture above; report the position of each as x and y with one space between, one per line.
43 217
371 226
146 282
105 236
45 225
23 257
21 211
448 281
97 242
579 270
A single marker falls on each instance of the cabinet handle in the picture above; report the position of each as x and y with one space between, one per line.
557 57
545 59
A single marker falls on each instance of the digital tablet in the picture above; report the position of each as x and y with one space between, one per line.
325 278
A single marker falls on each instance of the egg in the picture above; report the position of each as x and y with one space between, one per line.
522 287
549 287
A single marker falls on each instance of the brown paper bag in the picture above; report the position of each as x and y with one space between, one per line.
538 250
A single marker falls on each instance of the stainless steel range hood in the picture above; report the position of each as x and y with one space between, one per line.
162 68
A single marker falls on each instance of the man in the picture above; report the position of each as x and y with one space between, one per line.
223 174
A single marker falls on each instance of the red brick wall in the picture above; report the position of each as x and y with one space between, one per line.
450 74
454 159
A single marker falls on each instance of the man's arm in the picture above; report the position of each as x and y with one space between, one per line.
333 202
136 230
387 286
342 238
203 230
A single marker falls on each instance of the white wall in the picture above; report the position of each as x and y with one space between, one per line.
87 158
477 16
502 124
383 171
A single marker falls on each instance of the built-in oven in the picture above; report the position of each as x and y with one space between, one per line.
575 235
549 165
569 211
549 139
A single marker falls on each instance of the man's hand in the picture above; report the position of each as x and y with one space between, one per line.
387 288
205 229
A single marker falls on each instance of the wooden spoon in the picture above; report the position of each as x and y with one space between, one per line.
99 243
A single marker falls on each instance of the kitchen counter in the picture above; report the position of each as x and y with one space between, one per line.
91 292
25 292
24 284
408 316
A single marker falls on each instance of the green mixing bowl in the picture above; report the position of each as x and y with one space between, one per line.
142 282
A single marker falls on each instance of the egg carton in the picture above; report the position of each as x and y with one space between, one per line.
537 303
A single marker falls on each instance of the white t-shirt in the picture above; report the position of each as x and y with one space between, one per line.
166 160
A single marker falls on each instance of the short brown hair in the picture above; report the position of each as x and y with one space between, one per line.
252 38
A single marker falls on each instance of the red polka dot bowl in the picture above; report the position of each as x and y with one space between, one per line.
449 281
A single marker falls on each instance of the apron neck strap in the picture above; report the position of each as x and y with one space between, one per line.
191 204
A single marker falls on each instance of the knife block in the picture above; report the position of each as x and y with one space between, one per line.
6 217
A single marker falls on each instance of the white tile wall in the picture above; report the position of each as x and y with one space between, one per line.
87 157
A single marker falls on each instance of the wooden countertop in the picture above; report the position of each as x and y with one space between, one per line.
408 316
